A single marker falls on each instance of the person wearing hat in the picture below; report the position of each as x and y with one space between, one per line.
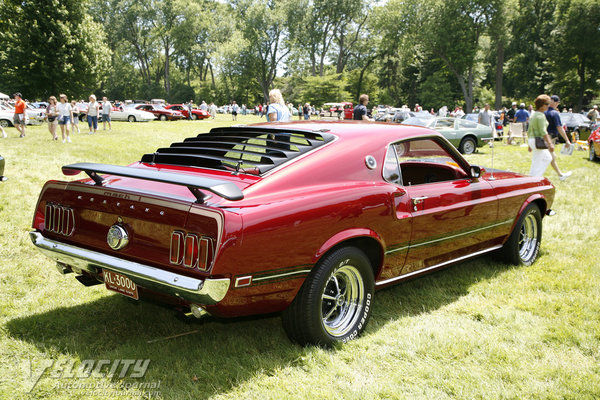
593 114
555 128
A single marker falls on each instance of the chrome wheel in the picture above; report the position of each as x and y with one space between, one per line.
468 146
342 300
528 237
334 303
592 156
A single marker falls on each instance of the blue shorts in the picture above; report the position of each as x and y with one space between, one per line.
92 121
64 120
105 118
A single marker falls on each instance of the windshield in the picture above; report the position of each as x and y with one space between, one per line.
426 122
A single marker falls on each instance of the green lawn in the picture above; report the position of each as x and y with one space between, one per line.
477 330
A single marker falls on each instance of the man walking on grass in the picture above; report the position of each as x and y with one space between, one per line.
19 118
106 110
554 129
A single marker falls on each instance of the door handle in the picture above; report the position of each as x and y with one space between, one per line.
418 200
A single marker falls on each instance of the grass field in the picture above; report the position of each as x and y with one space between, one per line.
477 330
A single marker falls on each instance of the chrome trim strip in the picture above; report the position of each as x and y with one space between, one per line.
201 291
398 249
420 271
264 278
452 236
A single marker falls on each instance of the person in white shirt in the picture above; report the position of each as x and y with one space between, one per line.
106 110
65 115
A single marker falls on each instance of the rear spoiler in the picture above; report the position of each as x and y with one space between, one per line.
225 189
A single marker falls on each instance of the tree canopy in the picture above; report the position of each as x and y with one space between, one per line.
440 52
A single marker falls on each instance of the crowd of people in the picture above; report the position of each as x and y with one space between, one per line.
542 125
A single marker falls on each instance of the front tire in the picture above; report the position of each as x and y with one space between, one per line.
467 146
4 123
194 117
523 244
334 303
162 117
131 118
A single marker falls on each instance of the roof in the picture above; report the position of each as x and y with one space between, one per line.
262 148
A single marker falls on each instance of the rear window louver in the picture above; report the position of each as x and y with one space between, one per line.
253 150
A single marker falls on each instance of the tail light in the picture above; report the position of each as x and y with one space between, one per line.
59 219
191 250
177 242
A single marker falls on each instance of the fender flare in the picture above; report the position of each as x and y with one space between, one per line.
530 199
345 235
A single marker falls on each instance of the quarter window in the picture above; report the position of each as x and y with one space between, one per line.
420 161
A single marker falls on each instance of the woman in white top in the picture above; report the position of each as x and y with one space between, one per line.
65 115
52 116
277 111
92 114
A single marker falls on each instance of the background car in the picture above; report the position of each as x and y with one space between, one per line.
32 116
6 116
464 134
594 145
579 127
160 112
131 114
196 112
342 110
394 115
497 123
303 218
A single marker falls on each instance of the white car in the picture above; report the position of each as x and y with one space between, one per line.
33 116
131 114
6 117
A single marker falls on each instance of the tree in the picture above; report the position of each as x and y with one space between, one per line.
528 70
453 34
268 27
575 46
51 48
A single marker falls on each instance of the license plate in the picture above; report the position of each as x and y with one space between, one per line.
120 284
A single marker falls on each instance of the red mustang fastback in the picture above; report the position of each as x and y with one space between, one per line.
160 112
304 218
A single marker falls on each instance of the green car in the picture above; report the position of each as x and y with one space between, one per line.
465 135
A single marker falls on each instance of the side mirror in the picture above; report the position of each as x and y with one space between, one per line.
475 172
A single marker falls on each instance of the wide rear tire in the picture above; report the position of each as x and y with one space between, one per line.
523 244
334 303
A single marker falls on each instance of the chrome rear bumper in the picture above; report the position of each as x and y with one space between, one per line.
201 291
